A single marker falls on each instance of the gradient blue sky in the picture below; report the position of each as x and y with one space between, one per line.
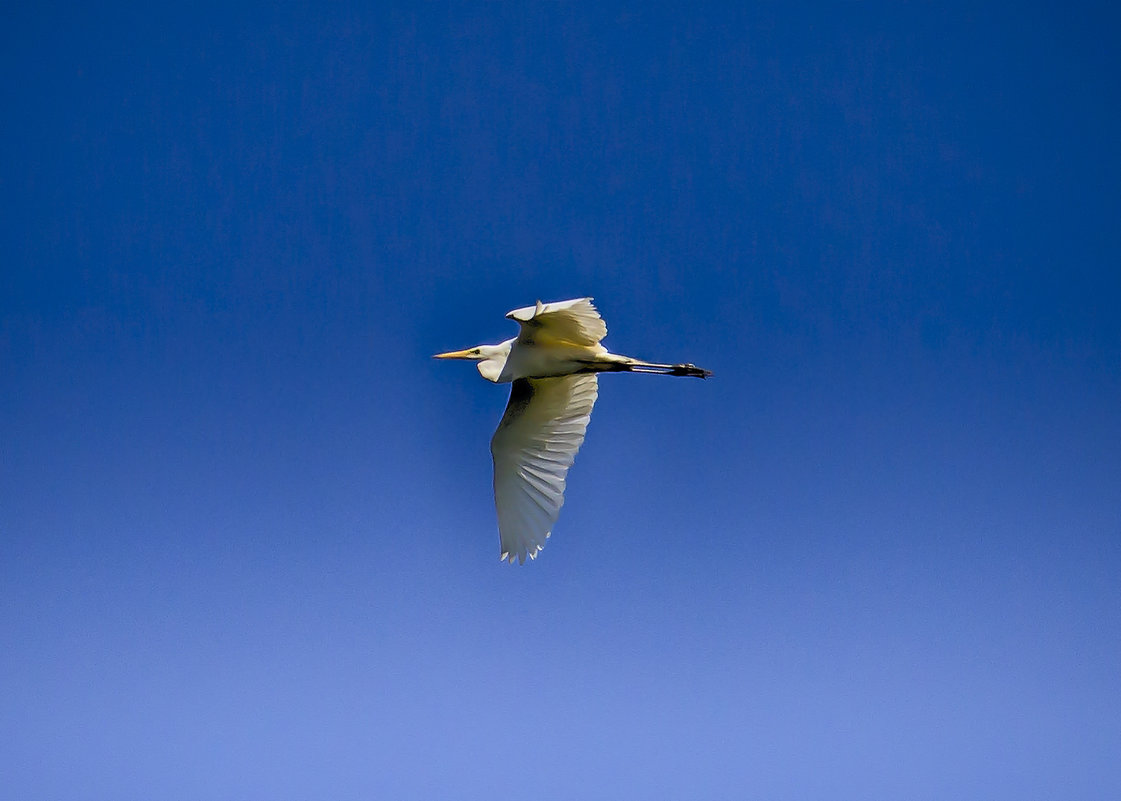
247 543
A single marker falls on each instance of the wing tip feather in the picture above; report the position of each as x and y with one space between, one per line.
520 554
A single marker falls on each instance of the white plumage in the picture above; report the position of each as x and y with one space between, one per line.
535 444
572 321
552 364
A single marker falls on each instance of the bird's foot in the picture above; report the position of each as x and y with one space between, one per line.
690 370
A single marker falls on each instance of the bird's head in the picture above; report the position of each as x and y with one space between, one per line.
471 354
491 358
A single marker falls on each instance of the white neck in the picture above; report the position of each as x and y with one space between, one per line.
494 359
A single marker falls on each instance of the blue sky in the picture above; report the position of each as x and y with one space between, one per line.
247 542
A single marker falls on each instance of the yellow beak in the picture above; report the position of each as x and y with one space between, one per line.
454 354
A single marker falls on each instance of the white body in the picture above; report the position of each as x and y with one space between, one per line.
522 360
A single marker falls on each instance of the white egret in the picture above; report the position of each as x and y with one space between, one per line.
552 363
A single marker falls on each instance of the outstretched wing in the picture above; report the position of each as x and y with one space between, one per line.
535 444
573 322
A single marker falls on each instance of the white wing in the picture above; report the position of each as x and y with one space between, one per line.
533 448
574 322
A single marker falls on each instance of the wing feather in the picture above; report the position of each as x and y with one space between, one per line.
533 448
573 322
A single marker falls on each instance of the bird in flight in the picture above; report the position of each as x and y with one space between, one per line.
553 364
